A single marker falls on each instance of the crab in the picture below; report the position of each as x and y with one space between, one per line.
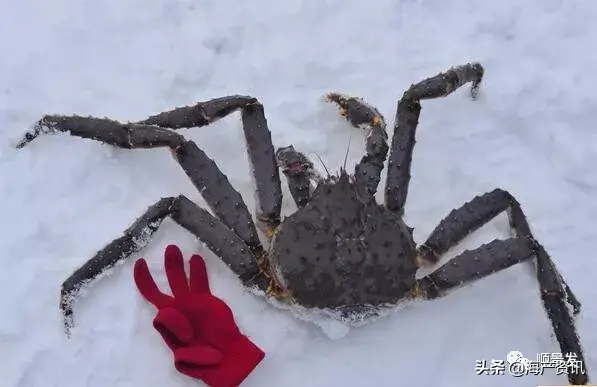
340 250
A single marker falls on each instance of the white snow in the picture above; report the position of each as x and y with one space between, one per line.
63 198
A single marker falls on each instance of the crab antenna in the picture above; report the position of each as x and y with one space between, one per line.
322 163
347 149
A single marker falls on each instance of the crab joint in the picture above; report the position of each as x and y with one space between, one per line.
277 291
416 291
422 262
267 223
270 232
426 256
419 291
274 288
377 121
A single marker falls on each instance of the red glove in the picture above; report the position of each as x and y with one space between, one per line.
198 327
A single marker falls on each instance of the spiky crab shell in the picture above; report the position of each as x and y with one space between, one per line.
343 249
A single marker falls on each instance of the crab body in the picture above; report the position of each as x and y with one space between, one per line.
343 250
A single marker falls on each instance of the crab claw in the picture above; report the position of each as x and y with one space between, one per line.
356 110
292 162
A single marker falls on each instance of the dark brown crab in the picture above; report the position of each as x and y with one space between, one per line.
340 250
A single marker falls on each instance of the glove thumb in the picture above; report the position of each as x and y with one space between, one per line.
188 359
174 327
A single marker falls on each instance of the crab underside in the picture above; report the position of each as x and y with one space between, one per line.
340 251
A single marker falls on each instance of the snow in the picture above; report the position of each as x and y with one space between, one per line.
63 198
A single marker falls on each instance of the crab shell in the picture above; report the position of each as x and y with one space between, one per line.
343 250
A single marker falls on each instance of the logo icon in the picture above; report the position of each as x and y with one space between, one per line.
518 365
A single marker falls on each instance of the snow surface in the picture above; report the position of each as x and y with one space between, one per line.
532 132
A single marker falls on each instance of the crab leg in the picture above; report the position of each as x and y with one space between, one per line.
362 115
199 222
498 255
233 218
258 140
407 119
213 185
147 134
470 217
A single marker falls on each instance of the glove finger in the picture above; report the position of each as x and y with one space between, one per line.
147 286
174 327
199 281
195 357
174 264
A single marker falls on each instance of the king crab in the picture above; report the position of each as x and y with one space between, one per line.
340 250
